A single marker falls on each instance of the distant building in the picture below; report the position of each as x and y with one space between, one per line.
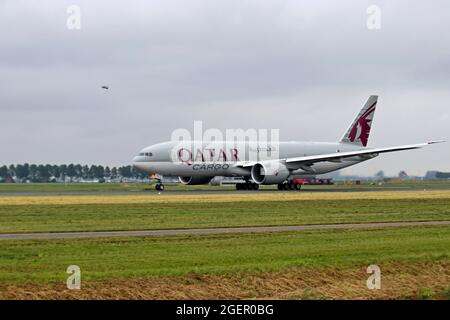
437 175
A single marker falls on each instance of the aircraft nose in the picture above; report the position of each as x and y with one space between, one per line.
138 164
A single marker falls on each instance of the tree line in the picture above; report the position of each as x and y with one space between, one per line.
63 172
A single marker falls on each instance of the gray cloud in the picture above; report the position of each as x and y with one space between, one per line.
305 68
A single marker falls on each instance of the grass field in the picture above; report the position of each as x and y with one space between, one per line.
125 212
99 187
217 254
415 261
183 258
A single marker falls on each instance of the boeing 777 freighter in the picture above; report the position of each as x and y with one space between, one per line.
198 162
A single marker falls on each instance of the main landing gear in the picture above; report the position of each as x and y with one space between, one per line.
286 186
159 187
289 186
247 186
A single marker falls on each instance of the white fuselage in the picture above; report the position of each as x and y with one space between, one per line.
192 158
264 162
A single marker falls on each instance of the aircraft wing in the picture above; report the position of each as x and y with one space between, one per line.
338 156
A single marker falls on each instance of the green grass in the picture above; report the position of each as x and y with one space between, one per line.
70 187
47 260
6 188
395 184
132 216
99 187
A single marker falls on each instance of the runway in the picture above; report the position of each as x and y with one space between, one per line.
108 234
195 192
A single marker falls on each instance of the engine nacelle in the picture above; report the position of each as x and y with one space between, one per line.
270 172
195 180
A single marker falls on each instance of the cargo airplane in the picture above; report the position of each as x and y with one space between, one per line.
198 162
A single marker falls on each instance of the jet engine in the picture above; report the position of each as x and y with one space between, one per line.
195 180
270 172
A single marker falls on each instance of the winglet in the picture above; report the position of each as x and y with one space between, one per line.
434 142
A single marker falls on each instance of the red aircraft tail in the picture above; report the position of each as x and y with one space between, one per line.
358 133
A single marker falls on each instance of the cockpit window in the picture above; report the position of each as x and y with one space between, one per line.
145 154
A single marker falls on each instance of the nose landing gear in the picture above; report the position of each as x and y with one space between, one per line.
159 185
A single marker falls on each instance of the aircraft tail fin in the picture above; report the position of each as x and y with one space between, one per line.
358 133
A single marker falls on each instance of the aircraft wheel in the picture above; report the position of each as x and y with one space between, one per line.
255 186
280 186
297 186
285 186
159 187
242 186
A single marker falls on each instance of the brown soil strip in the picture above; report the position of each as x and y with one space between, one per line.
398 281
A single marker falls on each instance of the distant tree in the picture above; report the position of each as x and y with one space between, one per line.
33 172
43 173
139 174
62 171
54 171
92 171
12 171
22 171
26 168
402 174
125 171
380 174
78 171
3 172
107 173
71 171
100 172
48 169
113 173
85 172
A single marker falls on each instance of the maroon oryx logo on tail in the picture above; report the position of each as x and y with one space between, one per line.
361 127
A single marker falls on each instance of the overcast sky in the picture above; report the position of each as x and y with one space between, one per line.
305 68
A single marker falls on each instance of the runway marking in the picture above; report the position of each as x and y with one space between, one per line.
106 234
